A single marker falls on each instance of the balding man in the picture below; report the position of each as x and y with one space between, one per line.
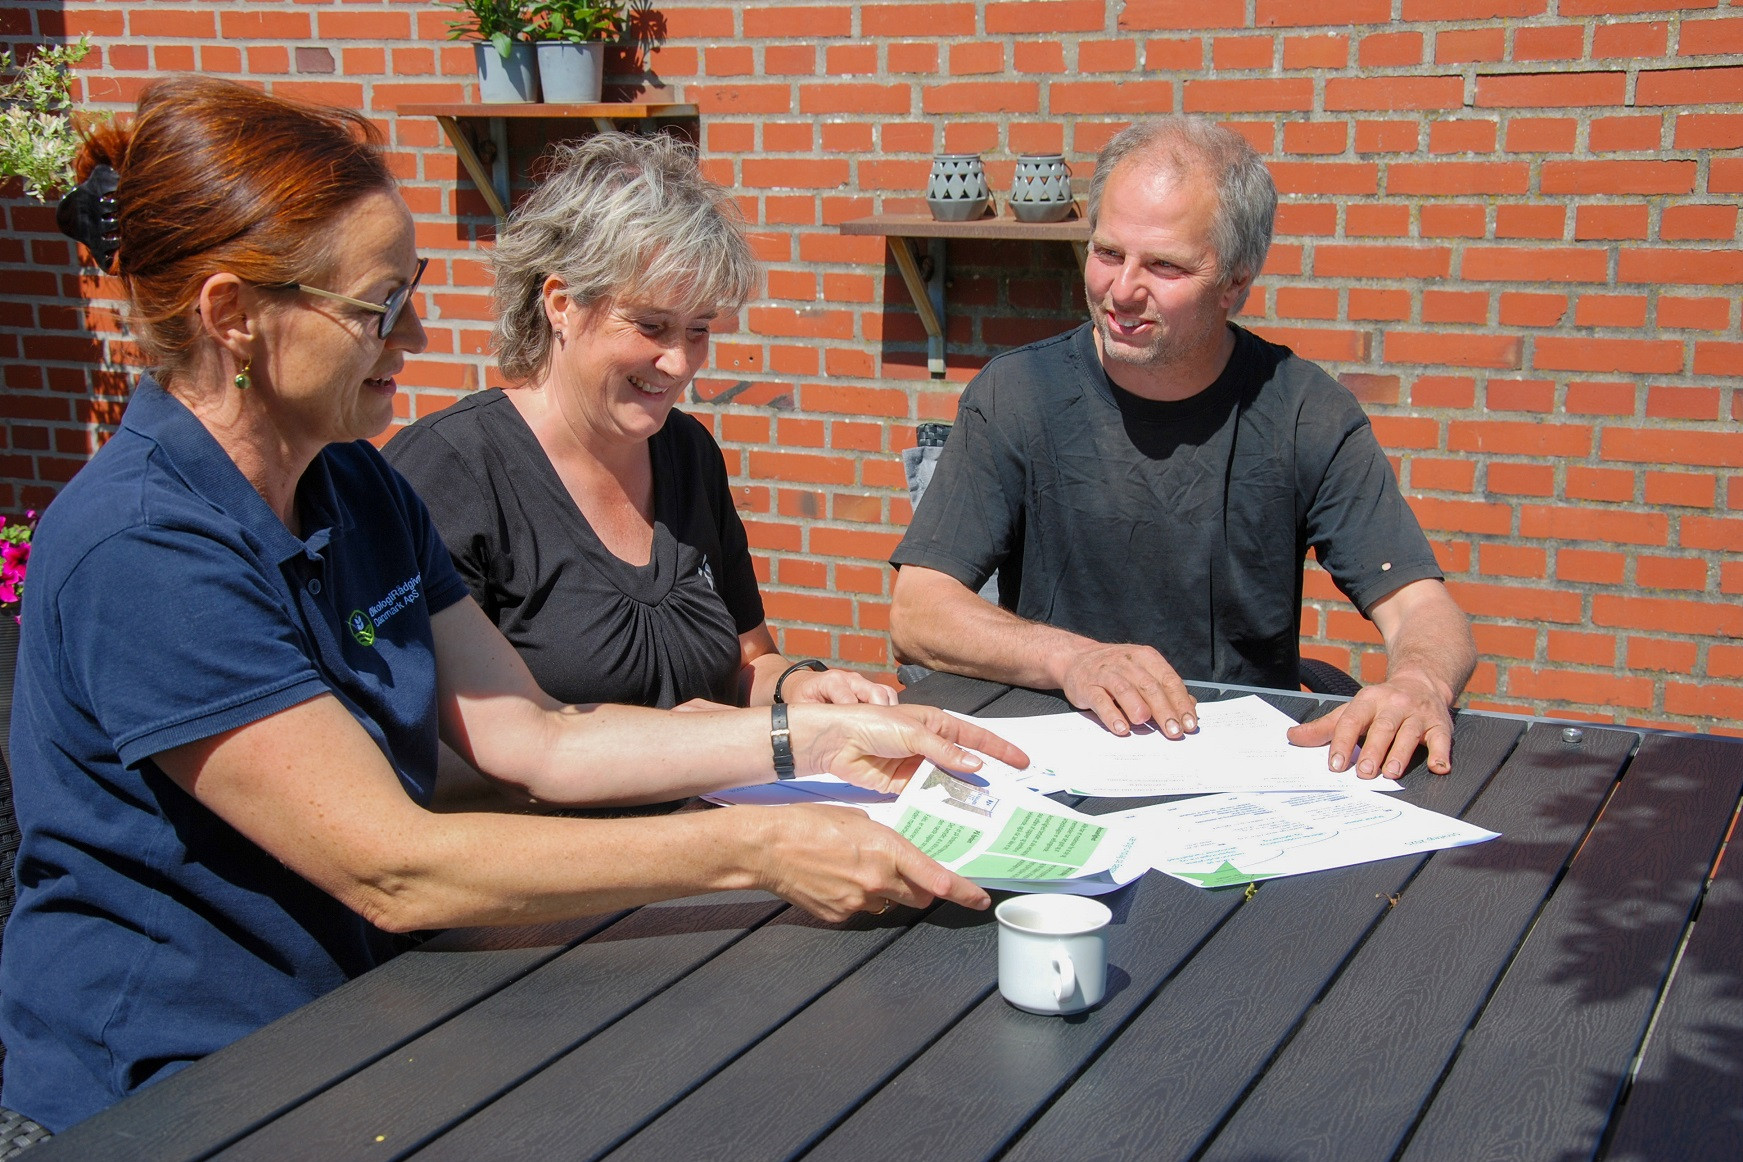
1148 485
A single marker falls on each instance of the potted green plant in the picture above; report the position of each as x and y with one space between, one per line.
38 135
571 36
507 67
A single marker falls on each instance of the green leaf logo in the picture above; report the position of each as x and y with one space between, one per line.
361 627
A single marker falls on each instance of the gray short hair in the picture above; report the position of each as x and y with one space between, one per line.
1246 197
616 217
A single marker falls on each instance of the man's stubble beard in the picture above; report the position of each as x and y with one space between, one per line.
1167 344
1164 346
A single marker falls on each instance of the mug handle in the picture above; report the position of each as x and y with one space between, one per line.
1064 975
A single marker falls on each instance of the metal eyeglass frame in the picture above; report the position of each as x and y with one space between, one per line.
389 311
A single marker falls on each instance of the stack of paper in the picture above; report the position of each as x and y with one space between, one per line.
1262 808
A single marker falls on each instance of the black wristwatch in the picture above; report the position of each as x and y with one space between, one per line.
781 742
807 664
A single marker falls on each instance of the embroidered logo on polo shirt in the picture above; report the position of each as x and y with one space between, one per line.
364 624
361 627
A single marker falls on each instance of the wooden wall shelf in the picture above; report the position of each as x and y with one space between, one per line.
461 125
927 286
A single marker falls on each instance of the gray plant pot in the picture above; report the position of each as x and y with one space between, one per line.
572 73
505 82
1042 189
956 188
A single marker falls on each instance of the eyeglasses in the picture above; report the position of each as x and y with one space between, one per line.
389 311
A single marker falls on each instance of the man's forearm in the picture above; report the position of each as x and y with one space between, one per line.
1427 636
940 623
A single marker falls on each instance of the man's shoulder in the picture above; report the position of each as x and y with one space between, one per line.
1276 379
1045 374
1055 350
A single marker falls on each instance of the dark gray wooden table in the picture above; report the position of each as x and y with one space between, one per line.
1572 990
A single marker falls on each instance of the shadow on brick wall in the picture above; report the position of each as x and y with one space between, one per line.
997 295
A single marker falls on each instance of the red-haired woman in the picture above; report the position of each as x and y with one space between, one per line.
243 637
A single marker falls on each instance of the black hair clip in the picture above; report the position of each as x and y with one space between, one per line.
88 214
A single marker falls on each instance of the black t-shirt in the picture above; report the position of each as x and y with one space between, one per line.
1182 525
590 626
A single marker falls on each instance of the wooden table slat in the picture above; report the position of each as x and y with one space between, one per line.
584 1103
1353 1080
1540 1074
432 1082
955 692
1184 1062
1018 702
240 1087
792 1085
976 1087
1687 1101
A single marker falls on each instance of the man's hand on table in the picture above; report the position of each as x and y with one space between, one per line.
1390 720
1126 685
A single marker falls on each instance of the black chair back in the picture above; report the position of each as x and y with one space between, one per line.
17 1132
8 820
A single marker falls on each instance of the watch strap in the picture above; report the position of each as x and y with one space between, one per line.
807 664
781 742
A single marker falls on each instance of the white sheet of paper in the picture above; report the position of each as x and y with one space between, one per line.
1241 745
1218 840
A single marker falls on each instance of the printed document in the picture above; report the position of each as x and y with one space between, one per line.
996 832
1003 835
1241 745
1218 840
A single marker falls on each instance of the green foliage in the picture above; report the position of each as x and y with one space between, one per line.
38 138
576 21
501 22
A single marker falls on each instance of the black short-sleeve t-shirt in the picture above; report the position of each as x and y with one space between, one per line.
590 626
1183 525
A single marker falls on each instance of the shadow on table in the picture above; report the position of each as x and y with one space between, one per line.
1593 967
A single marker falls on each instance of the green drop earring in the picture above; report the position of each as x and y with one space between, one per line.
242 381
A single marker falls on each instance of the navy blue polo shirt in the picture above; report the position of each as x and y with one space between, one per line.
167 603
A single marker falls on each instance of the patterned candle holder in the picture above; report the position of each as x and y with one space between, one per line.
956 191
1042 190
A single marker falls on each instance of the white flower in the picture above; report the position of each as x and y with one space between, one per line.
37 141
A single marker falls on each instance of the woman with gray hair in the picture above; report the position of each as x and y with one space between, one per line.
591 520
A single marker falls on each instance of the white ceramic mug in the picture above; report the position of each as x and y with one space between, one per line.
1053 952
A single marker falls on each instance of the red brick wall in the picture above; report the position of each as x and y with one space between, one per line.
1509 225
